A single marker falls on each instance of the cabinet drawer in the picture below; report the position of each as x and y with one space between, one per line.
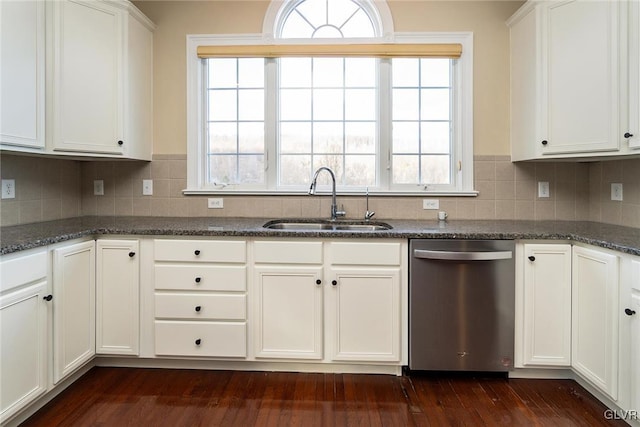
200 250
288 252
201 306
362 253
22 269
201 277
216 339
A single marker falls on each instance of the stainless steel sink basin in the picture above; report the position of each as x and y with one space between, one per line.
326 225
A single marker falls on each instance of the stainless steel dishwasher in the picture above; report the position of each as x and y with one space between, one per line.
461 305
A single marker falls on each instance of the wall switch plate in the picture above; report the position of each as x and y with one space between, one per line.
543 189
147 187
8 188
98 187
616 192
215 203
430 204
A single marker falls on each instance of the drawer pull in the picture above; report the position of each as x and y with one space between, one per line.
48 297
334 282
629 312
132 254
197 252
532 258
318 282
198 279
198 341
198 308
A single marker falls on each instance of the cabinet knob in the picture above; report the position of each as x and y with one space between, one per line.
198 308
532 258
132 254
198 341
197 252
629 312
120 143
48 297
545 142
318 282
628 135
334 282
198 279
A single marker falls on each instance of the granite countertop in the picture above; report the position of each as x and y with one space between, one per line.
27 236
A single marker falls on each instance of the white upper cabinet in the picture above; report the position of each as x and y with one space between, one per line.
632 128
22 55
88 86
101 83
568 74
77 79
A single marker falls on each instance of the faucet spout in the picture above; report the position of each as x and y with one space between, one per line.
335 213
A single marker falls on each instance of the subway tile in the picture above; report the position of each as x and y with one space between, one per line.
486 190
544 210
141 206
525 190
176 186
505 209
505 171
30 211
486 209
525 210
123 206
566 210
160 169
484 171
9 213
105 205
467 209
159 207
505 190
51 209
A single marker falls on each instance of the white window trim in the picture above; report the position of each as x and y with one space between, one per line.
464 113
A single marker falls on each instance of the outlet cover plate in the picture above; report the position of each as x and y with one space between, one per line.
147 187
616 192
543 189
98 187
431 204
8 188
215 203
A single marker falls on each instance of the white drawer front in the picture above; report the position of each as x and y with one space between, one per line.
200 250
291 252
201 307
201 277
363 253
20 270
216 339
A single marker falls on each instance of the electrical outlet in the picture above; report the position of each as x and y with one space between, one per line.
616 192
543 189
215 203
8 188
147 187
430 204
98 187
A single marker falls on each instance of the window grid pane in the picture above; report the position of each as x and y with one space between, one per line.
333 124
235 125
421 121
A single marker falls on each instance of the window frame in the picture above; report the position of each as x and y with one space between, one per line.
462 146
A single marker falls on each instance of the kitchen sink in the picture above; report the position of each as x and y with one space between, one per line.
326 225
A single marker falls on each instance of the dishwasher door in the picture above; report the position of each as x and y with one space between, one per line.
461 305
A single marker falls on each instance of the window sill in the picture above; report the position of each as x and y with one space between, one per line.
217 192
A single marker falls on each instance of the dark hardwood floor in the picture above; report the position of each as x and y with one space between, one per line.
154 397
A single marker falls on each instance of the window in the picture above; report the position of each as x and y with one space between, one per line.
264 125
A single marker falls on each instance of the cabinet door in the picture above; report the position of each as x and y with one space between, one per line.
635 349
117 297
288 312
580 76
88 88
22 55
547 305
73 307
23 348
363 310
595 318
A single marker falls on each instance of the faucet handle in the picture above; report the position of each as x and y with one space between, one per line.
368 215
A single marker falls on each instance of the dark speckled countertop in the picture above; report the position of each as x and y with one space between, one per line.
21 237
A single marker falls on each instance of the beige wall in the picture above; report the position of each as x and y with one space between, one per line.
486 19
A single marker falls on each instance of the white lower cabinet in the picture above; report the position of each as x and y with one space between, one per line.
329 301
629 312
595 318
544 305
200 307
23 331
73 307
117 297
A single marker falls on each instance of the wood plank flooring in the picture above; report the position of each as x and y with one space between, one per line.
154 397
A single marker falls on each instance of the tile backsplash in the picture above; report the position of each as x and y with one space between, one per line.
51 188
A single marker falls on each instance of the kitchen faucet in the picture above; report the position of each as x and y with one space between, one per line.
335 213
368 214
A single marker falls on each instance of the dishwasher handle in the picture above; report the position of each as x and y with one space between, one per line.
462 256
